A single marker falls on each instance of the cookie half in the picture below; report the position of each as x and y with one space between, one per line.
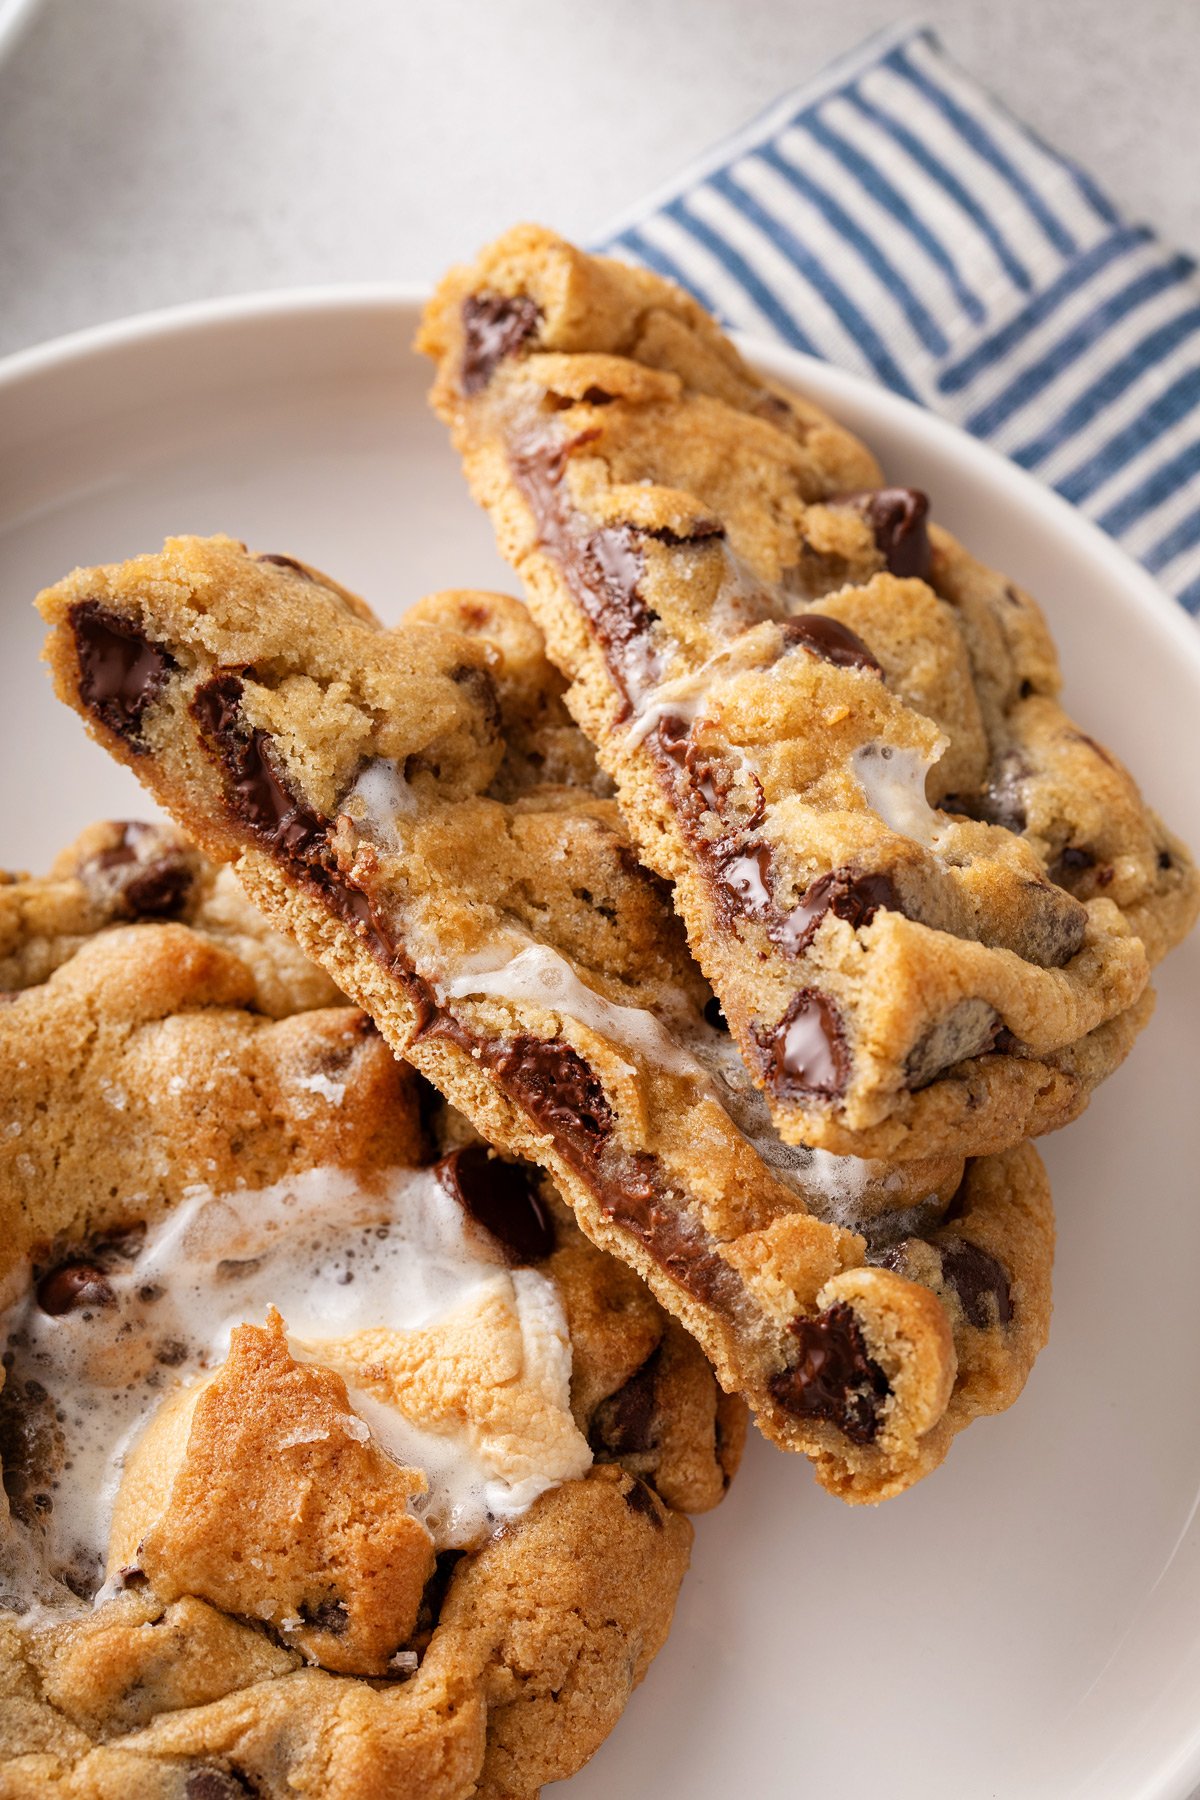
913 881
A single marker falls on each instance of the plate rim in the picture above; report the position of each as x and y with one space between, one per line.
1177 1773
781 361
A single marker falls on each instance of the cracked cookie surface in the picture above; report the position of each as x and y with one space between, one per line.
914 883
507 942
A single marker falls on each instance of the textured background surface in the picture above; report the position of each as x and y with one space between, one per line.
153 151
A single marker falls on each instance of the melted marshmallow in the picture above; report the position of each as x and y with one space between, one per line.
832 1187
336 1258
378 798
893 785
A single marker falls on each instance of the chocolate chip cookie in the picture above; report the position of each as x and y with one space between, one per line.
337 1460
913 882
500 931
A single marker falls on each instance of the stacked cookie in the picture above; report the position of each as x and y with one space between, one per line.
866 912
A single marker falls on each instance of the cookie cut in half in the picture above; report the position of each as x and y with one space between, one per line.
338 1462
395 801
913 882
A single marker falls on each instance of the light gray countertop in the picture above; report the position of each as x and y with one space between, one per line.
154 151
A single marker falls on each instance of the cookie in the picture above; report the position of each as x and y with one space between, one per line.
911 879
515 951
337 1463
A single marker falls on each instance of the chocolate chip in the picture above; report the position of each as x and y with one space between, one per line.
73 1286
833 1378
1002 801
121 671
639 1499
980 1282
746 877
558 1090
830 640
1072 861
216 1784
852 895
331 1615
715 1016
637 1198
1165 860
897 517
807 1051
285 562
494 326
626 1423
501 1197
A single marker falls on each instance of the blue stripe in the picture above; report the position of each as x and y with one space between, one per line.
1189 597
991 349
925 160
875 183
746 278
880 265
1157 487
658 260
1185 536
1154 348
984 145
1151 422
819 279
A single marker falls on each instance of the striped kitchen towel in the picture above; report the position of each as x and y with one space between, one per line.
895 219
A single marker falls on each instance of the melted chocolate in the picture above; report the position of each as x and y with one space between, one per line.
897 517
257 792
602 567
830 640
73 1286
626 1423
558 1091
502 1197
121 672
833 1377
853 895
494 326
980 1282
332 1616
807 1049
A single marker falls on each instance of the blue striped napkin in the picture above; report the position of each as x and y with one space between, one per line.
895 219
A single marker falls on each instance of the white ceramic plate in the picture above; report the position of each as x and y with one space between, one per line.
1026 1624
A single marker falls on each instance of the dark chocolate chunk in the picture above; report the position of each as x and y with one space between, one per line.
639 1499
833 1378
714 1015
602 567
1002 801
1165 860
897 517
830 640
980 1282
807 1051
213 1783
746 877
558 1090
626 1423
330 1615
855 896
149 887
285 562
502 1197
73 1286
494 326
1072 861
120 670
256 790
